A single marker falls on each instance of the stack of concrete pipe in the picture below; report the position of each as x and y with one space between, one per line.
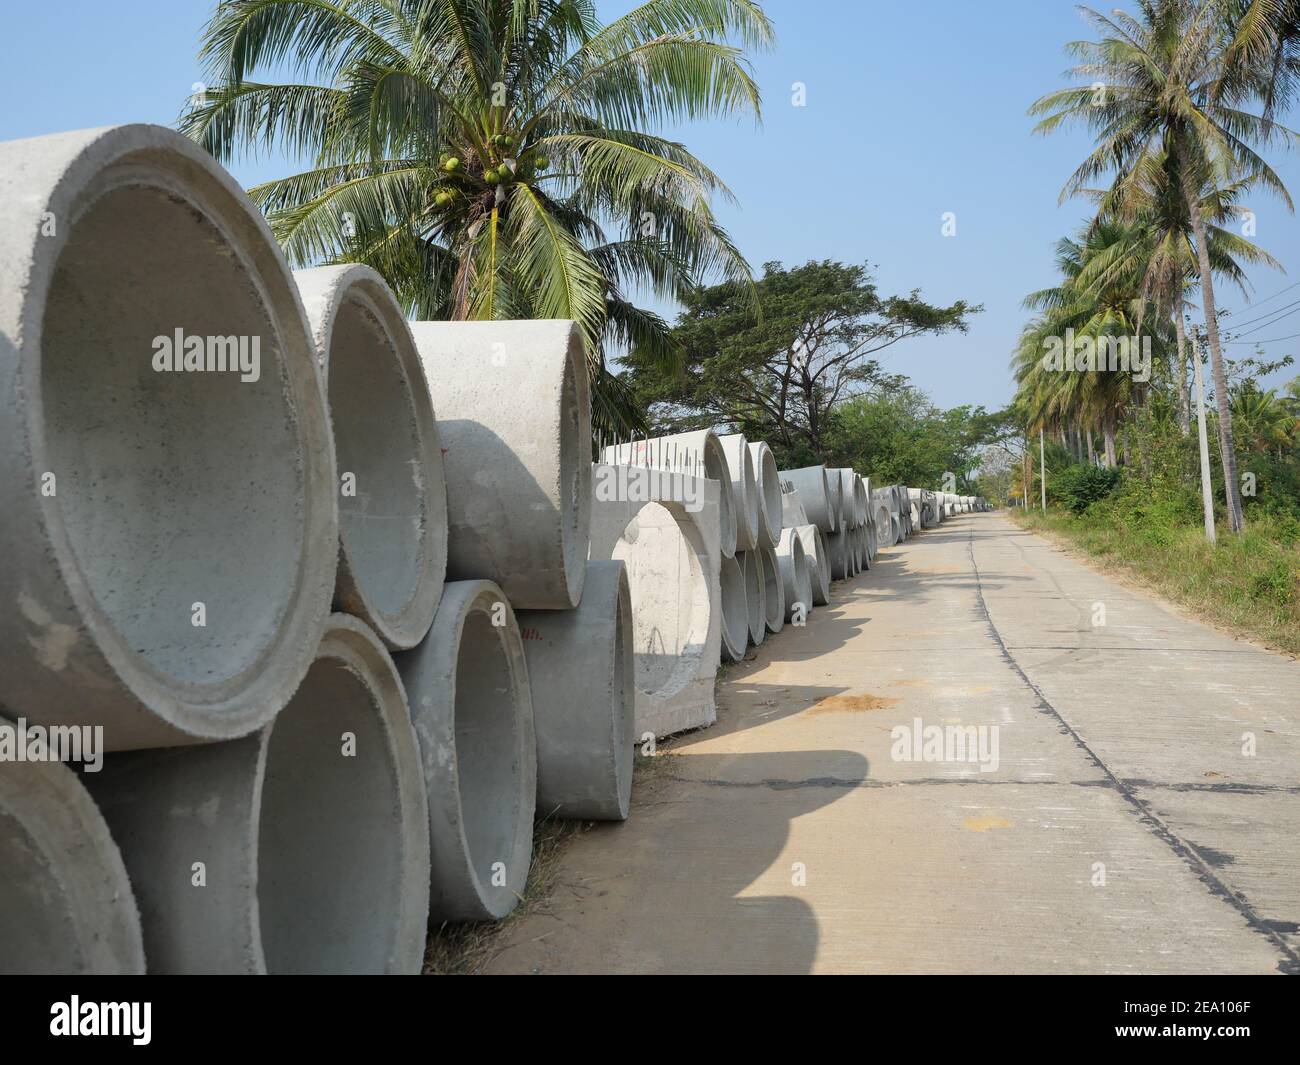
722 550
318 581
343 597
949 504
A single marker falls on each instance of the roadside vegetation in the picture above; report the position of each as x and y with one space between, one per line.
1166 454
1249 584
806 376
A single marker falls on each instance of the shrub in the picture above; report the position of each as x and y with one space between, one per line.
1078 487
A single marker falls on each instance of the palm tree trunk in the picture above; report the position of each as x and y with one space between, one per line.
1184 402
1092 451
1108 437
1236 519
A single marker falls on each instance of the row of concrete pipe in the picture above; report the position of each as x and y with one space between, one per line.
343 597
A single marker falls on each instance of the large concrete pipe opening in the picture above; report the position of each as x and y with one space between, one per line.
796 579
581 674
744 489
751 564
735 610
820 502
343 858
769 494
513 405
66 905
302 848
773 590
666 560
393 497
473 714
160 347
885 534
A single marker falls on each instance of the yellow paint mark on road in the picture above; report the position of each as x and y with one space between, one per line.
850 704
983 824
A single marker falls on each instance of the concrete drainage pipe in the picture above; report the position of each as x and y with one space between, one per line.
66 905
473 715
514 414
796 578
769 494
773 590
698 453
166 469
580 673
819 563
751 563
883 523
735 610
670 549
300 849
792 512
848 500
744 490
819 497
837 554
393 497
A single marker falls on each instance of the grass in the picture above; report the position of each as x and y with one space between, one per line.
466 949
1249 584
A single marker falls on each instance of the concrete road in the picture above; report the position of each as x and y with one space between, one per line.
1142 814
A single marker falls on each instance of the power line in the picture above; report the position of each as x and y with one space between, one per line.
1275 340
1268 314
1258 303
1273 321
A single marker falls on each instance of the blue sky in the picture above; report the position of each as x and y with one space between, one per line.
912 110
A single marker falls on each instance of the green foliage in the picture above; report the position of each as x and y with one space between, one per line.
900 437
780 369
493 160
1079 486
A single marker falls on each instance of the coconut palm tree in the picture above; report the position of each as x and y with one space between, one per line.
491 158
1267 425
1264 55
1155 82
1098 297
1161 252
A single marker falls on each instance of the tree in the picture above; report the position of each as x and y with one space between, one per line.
781 373
1265 422
1097 299
899 436
490 157
1159 82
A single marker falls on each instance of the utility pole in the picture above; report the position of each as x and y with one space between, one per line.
1042 467
1207 496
